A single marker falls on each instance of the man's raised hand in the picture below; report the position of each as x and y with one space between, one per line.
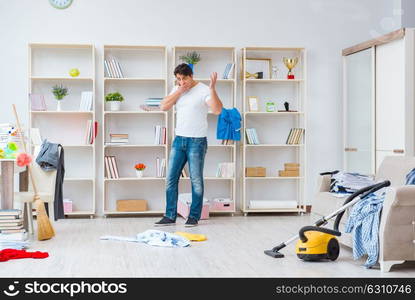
213 79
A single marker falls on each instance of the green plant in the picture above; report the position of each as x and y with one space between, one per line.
59 91
191 57
114 97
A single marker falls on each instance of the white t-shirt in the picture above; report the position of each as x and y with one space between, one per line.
192 110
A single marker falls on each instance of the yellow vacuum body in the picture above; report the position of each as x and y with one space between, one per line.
318 246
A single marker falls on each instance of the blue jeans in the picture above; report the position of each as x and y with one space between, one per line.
193 151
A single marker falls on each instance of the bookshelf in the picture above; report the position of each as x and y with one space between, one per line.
144 70
213 59
49 64
273 129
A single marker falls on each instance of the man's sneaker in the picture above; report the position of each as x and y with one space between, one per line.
165 222
190 222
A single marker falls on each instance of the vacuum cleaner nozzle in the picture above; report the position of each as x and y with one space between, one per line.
275 251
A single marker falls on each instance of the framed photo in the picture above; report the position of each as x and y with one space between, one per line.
258 68
253 103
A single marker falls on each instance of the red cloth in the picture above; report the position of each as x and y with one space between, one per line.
8 254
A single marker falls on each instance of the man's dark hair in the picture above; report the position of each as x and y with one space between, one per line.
183 69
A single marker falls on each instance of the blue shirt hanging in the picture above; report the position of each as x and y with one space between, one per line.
229 125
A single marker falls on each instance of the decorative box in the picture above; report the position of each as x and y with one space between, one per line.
131 205
222 204
67 206
255 172
183 206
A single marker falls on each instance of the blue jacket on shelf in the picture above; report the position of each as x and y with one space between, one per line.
229 125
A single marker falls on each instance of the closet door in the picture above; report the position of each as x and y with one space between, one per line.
359 112
390 100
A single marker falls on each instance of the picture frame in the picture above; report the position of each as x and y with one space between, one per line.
259 65
253 103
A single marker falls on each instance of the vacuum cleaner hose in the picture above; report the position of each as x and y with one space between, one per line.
303 230
363 192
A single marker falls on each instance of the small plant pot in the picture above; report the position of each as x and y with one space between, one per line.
115 105
191 66
139 173
59 106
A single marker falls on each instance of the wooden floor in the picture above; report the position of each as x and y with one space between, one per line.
234 248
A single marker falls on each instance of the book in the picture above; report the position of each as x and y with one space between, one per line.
107 168
112 171
35 136
107 69
225 72
9 231
114 164
13 221
14 235
117 67
10 212
37 102
230 72
225 170
8 218
86 101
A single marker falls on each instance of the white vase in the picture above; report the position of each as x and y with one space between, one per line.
58 106
115 105
139 173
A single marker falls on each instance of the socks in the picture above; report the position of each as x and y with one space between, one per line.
8 254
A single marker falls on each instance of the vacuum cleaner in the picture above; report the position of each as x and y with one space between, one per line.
318 243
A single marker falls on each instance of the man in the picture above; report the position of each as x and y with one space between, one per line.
192 100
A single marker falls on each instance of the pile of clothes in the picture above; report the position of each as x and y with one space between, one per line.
364 218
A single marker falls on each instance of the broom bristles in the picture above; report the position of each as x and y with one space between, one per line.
44 227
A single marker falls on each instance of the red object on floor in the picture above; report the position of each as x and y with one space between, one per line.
8 254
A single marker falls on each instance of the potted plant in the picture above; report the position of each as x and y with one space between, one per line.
59 91
191 58
115 100
139 169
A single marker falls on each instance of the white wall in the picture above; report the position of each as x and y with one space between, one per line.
408 13
322 26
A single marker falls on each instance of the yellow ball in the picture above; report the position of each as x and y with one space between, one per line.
74 72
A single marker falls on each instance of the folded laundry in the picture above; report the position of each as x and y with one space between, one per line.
193 237
8 254
154 238
343 182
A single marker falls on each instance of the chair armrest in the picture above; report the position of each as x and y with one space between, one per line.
396 220
323 184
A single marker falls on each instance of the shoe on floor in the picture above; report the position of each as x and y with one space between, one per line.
165 222
191 222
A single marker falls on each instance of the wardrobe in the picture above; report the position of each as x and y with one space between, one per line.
379 79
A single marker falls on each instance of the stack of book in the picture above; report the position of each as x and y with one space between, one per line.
86 101
113 68
15 240
153 102
252 136
227 142
160 167
290 170
111 168
11 221
160 135
225 170
118 139
91 132
149 108
228 73
295 136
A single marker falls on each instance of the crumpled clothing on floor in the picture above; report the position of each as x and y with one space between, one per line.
8 254
154 238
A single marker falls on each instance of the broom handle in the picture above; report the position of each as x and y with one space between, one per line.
25 150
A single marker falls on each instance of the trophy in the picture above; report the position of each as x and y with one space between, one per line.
290 63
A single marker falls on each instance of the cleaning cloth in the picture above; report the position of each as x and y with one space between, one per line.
192 236
8 254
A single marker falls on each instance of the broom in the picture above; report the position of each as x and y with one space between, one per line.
44 227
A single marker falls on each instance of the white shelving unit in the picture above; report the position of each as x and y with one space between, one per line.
145 75
49 64
213 59
273 129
